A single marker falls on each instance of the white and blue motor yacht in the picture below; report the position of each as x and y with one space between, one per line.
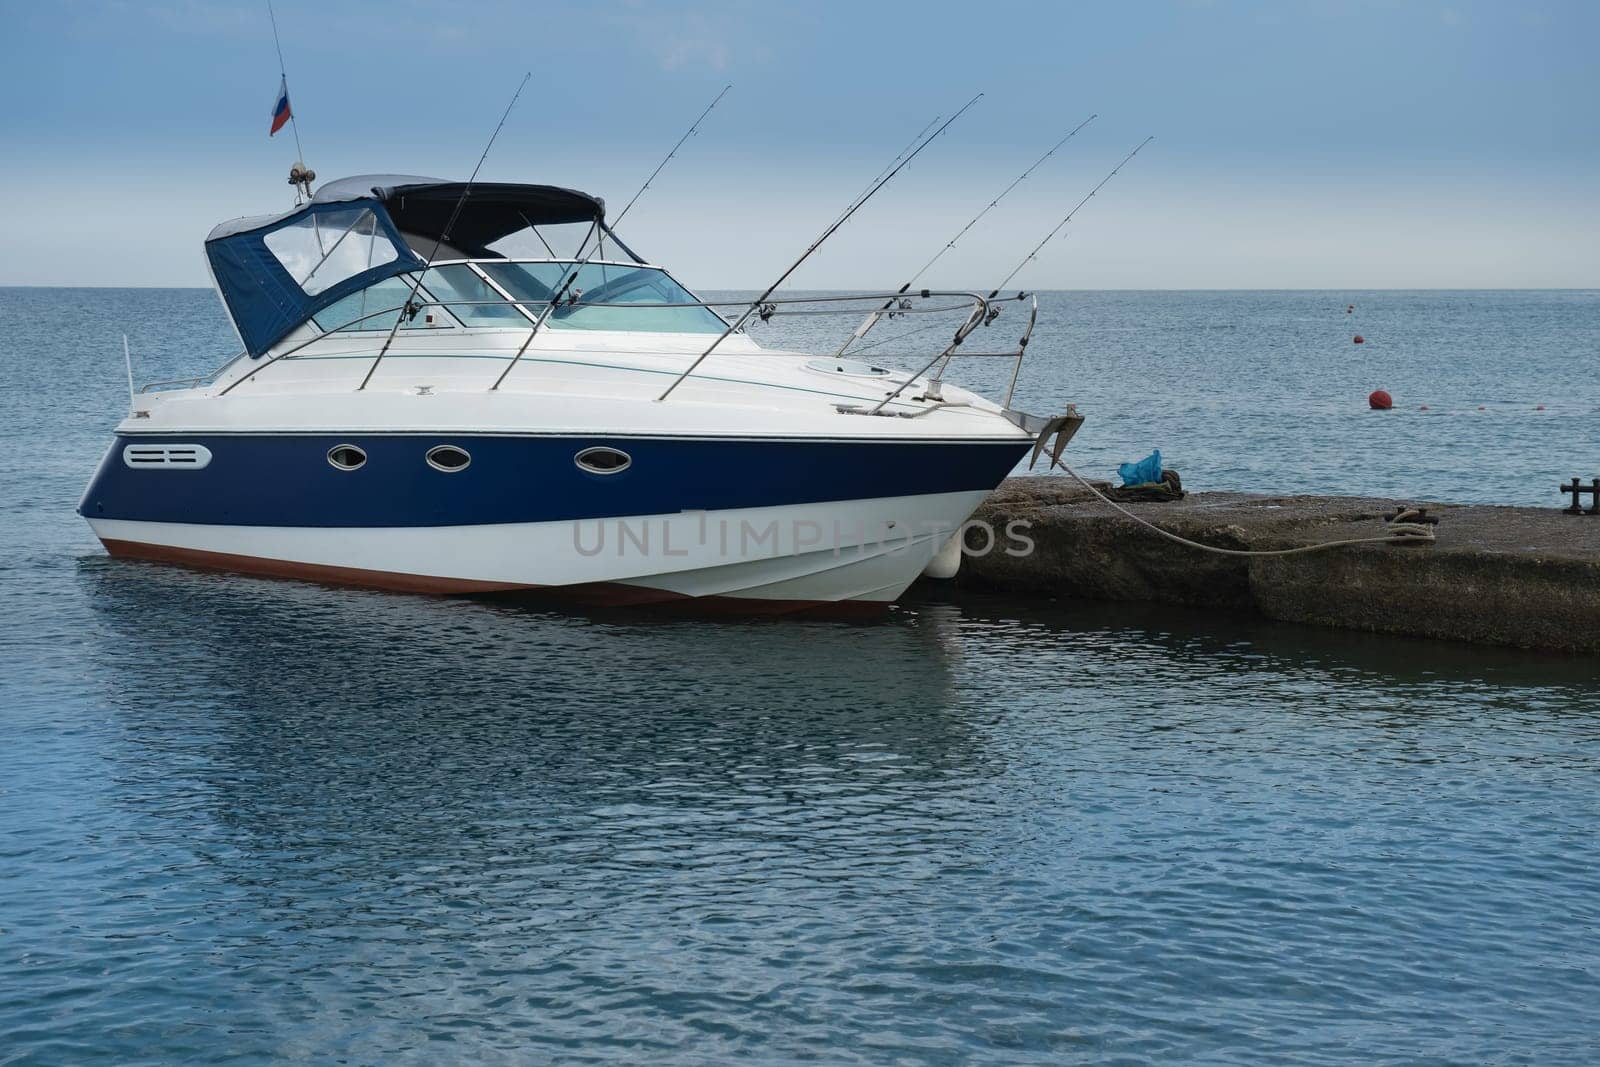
424 410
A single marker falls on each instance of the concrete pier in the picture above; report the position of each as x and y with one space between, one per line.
1525 577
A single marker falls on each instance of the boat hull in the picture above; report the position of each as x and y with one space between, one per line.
774 523
859 554
288 479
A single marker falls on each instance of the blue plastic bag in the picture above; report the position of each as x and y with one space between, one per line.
1144 472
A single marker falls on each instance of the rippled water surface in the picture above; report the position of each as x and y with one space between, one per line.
1267 391
256 820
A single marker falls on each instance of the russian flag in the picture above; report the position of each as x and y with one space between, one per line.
280 110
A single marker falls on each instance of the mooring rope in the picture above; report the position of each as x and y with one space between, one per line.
1401 530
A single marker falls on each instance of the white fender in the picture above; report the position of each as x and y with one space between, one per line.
947 561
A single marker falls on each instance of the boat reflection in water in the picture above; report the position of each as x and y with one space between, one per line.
437 710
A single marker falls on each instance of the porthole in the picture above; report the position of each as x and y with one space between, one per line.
347 457
602 460
448 458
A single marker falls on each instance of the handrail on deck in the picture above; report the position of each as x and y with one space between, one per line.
199 379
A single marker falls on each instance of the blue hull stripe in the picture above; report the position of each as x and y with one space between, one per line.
284 480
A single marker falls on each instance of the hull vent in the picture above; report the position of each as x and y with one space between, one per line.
166 457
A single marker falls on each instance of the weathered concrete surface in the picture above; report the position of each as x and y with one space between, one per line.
1527 577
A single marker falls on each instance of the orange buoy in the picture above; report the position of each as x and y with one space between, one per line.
1539 408
1360 340
1380 400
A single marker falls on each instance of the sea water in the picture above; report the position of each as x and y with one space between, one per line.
1496 394
259 820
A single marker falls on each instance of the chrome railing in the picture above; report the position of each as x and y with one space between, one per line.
977 305
190 383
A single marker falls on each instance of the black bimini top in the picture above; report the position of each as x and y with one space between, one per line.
492 210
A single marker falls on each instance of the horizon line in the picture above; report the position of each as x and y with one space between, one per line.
1122 289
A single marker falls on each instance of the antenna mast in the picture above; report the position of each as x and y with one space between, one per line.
300 176
127 360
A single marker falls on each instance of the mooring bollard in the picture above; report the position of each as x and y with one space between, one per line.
1576 489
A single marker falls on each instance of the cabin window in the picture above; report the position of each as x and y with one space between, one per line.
470 298
347 457
325 247
643 293
602 460
377 306
448 458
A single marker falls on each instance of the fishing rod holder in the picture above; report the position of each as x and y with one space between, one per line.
980 311
982 314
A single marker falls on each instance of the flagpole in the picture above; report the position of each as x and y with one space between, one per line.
282 73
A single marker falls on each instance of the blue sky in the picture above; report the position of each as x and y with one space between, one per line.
1335 143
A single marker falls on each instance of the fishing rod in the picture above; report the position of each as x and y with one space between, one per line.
896 160
943 359
662 165
595 231
864 192
872 318
1047 237
909 146
833 227
438 241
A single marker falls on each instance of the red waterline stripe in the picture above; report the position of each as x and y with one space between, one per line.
591 594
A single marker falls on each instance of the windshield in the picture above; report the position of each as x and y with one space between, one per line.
381 302
643 289
470 298
467 298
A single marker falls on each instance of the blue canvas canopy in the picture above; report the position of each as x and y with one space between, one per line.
275 272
